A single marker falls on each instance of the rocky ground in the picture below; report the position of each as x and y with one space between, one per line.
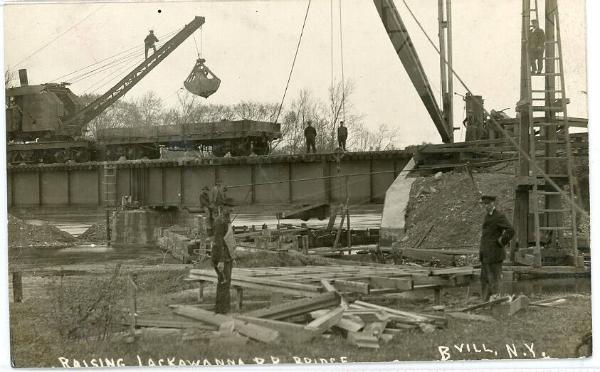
446 210
22 234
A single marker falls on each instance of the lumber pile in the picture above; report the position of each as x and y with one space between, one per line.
361 323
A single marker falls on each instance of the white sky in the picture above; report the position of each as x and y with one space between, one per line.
250 46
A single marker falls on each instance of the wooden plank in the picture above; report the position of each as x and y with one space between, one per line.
362 340
352 286
518 304
326 321
374 329
472 317
467 270
261 287
407 314
168 323
296 307
253 331
401 284
290 331
351 323
255 280
416 254
496 301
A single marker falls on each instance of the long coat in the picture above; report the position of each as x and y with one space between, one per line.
495 226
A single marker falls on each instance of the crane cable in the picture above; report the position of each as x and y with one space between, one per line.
125 54
198 52
59 35
342 63
293 62
522 152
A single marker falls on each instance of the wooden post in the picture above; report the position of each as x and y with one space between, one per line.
305 244
201 291
17 287
132 288
437 295
348 233
239 298
108 237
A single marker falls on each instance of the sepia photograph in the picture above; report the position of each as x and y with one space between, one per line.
297 182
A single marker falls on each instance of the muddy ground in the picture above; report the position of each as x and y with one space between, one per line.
51 323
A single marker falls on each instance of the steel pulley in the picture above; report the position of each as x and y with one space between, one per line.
202 81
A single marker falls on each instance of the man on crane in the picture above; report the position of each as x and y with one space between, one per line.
537 39
149 43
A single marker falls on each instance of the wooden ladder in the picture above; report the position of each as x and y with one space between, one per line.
110 185
553 207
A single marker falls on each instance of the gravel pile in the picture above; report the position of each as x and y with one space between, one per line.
22 234
94 234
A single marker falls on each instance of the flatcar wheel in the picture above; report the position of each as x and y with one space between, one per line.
61 156
261 148
26 156
82 156
219 150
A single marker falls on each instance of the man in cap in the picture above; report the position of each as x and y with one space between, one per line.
342 135
496 233
310 134
537 40
149 43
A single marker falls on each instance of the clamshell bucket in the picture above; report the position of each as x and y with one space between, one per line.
201 81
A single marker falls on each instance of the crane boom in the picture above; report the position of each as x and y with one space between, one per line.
405 49
89 112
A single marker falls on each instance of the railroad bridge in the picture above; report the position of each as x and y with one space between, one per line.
258 180
283 179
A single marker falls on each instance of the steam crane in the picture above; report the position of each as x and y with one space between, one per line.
45 122
398 34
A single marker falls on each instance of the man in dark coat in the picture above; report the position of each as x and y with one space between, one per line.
495 234
222 263
310 134
537 40
149 43
342 135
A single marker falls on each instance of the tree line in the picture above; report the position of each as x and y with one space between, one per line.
325 115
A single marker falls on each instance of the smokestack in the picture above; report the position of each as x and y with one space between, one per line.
23 77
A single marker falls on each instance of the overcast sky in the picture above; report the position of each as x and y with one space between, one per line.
250 46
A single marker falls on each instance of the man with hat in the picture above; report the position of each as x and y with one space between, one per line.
537 40
310 134
149 43
342 135
496 233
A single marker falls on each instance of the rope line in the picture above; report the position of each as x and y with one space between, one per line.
293 62
522 152
115 59
58 36
342 63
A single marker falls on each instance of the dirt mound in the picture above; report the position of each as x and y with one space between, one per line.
22 234
446 212
95 233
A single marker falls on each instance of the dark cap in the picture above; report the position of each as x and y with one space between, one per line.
488 198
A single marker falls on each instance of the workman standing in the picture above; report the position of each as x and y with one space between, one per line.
496 233
222 261
310 134
537 40
149 43
342 135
